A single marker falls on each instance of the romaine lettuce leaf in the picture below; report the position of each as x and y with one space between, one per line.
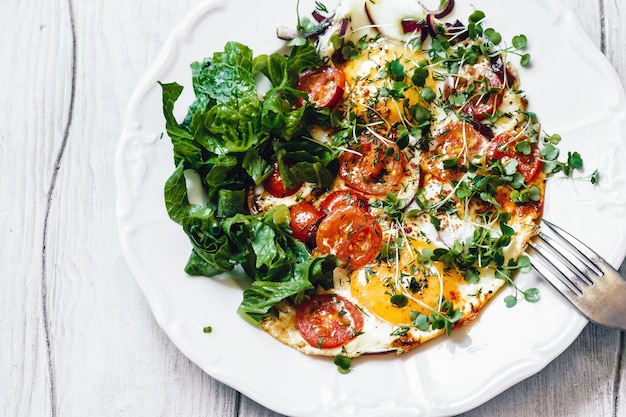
230 137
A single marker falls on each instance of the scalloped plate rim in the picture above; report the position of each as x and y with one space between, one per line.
528 367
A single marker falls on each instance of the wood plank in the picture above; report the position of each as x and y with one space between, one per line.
36 77
619 378
614 13
111 358
589 14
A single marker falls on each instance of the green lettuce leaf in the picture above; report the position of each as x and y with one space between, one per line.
230 137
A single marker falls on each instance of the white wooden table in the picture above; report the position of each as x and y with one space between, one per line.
76 335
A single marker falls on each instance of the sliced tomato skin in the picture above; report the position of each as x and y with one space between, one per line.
275 186
325 86
343 198
304 219
529 165
327 321
458 140
351 234
374 168
480 106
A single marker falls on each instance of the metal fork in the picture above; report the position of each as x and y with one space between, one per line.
593 286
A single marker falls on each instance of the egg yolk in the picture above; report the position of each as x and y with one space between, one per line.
423 285
379 81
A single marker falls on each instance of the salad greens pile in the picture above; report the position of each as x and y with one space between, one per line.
231 136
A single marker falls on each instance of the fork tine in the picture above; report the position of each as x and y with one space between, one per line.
552 267
547 270
561 250
586 253
563 261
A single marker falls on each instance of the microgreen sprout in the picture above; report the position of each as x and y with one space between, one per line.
550 154
349 49
531 295
444 318
399 300
420 74
393 207
344 364
522 264
321 7
428 95
475 30
395 69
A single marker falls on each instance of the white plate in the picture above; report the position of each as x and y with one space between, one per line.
574 91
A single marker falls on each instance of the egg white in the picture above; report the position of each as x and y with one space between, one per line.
364 81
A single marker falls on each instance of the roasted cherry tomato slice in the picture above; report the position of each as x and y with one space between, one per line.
343 198
304 219
483 101
374 168
328 320
275 186
352 234
482 106
503 147
325 86
458 143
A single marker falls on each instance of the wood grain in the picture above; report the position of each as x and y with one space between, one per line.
77 337
37 81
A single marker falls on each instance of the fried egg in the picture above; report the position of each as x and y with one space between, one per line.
403 292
